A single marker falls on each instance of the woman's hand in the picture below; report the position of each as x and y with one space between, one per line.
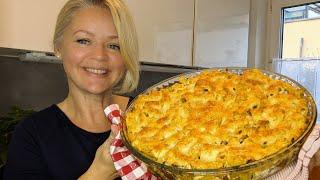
102 166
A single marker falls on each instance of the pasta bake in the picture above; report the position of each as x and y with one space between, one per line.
217 119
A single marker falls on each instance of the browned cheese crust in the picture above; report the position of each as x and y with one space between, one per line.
217 119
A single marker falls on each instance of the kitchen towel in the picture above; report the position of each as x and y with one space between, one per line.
126 164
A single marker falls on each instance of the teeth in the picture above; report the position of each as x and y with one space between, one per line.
96 71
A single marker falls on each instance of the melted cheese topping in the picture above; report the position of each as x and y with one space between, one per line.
217 119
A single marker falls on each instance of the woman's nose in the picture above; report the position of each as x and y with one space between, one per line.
99 52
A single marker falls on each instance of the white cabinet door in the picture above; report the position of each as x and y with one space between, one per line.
165 29
221 33
28 24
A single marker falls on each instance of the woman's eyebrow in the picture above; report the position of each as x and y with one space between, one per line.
113 37
92 34
83 31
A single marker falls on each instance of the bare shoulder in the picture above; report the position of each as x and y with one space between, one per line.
122 101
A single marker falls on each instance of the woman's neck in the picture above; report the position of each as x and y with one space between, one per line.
86 110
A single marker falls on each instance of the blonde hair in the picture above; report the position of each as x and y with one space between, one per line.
126 33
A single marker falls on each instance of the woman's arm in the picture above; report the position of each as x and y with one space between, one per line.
25 160
102 166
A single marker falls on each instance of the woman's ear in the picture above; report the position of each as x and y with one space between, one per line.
56 51
57 54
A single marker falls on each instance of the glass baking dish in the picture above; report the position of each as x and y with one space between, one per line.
254 170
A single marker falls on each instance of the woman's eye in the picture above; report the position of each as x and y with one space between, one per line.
114 47
83 41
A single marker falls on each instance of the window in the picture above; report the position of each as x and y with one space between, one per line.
300 31
295 44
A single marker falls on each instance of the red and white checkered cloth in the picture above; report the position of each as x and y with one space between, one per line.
129 168
299 170
126 164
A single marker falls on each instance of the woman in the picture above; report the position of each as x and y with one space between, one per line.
96 41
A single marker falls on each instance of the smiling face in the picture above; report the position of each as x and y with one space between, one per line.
90 51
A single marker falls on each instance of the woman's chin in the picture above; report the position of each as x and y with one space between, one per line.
98 90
